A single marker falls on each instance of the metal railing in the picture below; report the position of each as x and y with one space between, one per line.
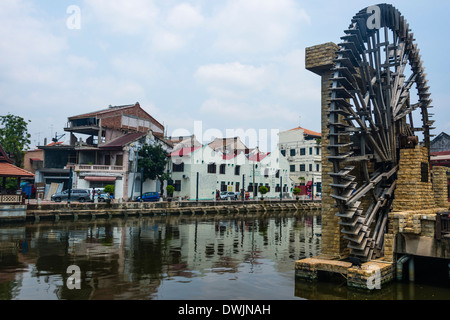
442 225
94 167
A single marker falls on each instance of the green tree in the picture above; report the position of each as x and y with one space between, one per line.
109 189
263 190
297 192
153 160
170 189
14 137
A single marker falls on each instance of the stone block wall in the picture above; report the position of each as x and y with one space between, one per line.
440 192
412 191
319 59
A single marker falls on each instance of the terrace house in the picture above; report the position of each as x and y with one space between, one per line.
108 154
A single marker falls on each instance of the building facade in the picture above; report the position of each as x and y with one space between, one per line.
198 172
103 151
302 149
441 143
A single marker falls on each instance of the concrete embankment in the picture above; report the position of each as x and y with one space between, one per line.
74 210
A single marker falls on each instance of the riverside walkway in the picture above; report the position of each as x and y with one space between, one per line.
74 210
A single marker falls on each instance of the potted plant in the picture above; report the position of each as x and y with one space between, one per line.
296 192
263 190
170 189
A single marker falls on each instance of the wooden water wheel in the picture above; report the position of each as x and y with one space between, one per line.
372 115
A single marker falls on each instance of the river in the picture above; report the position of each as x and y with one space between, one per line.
174 258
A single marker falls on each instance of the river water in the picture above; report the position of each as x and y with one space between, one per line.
175 258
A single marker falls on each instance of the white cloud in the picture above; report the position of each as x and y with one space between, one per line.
184 16
129 17
76 61
234 112
256 25
233 79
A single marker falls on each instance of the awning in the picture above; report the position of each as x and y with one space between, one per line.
309 184
99 178
10 170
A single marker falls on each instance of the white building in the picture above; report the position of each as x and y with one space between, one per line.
122 171
198 172
302 149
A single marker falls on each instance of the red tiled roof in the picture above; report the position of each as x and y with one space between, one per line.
3 156
440 153
10 170
258 156
183 151
229 156
308 132
55 143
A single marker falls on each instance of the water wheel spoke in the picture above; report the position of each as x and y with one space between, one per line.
370 107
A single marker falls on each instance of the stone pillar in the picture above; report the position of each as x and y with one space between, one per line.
439 175
319 59
414 188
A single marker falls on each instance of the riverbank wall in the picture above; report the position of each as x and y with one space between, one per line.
74 211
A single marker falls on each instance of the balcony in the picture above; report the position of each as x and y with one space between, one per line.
95 168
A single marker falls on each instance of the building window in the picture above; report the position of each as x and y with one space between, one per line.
292 152
237 170
317 167
283 152
318 151
310 167
222 169
319 187
292 168
277 174
177 185
223 186
212 168
277 188
178 167
119 160
266 173
250 187
302 168
310 151
302 151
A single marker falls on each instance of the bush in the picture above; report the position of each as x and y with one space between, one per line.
170 189
109 189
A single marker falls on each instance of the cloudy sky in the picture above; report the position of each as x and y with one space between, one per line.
222 65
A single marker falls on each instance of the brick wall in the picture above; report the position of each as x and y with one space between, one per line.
412 192
440 187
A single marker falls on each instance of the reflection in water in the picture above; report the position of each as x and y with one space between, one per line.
177 258
158 257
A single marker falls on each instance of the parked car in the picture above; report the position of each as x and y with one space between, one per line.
149 196
81 195
102 197
224 195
